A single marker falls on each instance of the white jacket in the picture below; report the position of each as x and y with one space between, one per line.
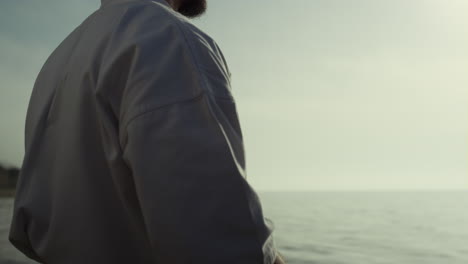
133 149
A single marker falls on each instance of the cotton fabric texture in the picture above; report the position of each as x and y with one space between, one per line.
134 151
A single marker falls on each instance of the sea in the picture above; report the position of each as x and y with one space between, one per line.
391 227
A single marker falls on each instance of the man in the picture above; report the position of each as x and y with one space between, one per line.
133 148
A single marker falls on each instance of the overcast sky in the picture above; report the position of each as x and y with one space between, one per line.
362 94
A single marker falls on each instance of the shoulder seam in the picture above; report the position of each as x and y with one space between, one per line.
157 108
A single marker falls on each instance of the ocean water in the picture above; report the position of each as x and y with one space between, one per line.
348 227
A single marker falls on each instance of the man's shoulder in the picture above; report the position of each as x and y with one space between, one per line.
158 45
151 25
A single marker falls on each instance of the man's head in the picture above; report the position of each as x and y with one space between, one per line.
189 8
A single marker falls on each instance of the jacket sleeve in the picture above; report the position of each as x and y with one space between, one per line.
184 148
197 206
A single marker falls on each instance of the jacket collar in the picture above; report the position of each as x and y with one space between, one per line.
107 2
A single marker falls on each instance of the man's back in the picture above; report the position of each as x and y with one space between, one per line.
133 149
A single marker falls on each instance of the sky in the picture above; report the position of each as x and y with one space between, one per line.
331 94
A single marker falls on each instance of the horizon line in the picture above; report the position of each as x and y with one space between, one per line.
368 190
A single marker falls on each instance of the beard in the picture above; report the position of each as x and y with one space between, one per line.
192 8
